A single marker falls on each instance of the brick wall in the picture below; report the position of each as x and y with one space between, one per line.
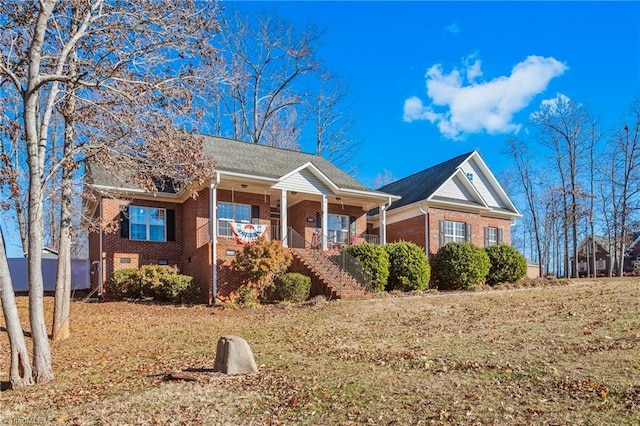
228 279
412 229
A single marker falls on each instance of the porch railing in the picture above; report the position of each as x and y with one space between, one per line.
346 264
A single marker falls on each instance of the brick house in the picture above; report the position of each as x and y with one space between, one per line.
457 200
256 190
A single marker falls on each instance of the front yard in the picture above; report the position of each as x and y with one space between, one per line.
557 355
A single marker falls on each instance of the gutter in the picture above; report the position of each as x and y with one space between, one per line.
426 228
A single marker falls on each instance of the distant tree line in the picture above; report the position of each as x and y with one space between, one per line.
580 182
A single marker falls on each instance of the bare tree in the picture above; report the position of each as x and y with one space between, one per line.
621 182
335 137
563 125
522 160
137 64
383 178
264 80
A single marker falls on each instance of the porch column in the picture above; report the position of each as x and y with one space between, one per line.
213 232
283 218
325 206
383 223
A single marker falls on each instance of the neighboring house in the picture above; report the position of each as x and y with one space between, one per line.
632 254
300 199
604 259
457 200
585 258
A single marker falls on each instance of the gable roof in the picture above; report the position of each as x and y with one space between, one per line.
269 162
246 159
420 186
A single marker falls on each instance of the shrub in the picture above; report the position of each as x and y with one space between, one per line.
262 262
507 264
247 296
460 266
177 288
292 287
153 279
162 283
124 283
373 258
408 267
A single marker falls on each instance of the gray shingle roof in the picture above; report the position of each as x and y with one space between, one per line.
266 161
241 157
420 186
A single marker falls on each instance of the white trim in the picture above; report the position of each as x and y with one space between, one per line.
494 182
246 176
325 221
284 218
313 169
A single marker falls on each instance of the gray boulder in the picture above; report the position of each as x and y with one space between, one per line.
234 356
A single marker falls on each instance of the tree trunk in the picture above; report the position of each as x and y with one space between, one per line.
36 146
20 370
61 314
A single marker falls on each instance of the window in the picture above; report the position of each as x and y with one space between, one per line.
582 266
231 212
453 232
492 236
147 223
338 228
470 177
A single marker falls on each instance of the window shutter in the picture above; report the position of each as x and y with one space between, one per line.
499 236
124 221
255 212
318 220
467 234
171 225
486 236
352 225
441 233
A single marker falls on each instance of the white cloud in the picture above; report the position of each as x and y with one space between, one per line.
486 106
454 28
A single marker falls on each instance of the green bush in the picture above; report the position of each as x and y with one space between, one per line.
292 287
153 277
160 282
507 264
408 267
247 296
124 283
460 266
177 288
373 258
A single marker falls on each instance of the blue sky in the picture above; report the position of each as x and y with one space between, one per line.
490 64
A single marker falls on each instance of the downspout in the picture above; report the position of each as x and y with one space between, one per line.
213 219
426 228
100 268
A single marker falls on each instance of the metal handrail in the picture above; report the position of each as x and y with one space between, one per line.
347 265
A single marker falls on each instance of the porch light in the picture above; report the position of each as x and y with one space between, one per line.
294 192
244 185
338 198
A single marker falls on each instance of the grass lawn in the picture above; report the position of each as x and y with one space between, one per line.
556 355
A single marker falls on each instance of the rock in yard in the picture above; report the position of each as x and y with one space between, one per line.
234 356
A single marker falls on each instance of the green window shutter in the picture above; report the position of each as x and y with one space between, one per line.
441 233
467 234
486 236
499 236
